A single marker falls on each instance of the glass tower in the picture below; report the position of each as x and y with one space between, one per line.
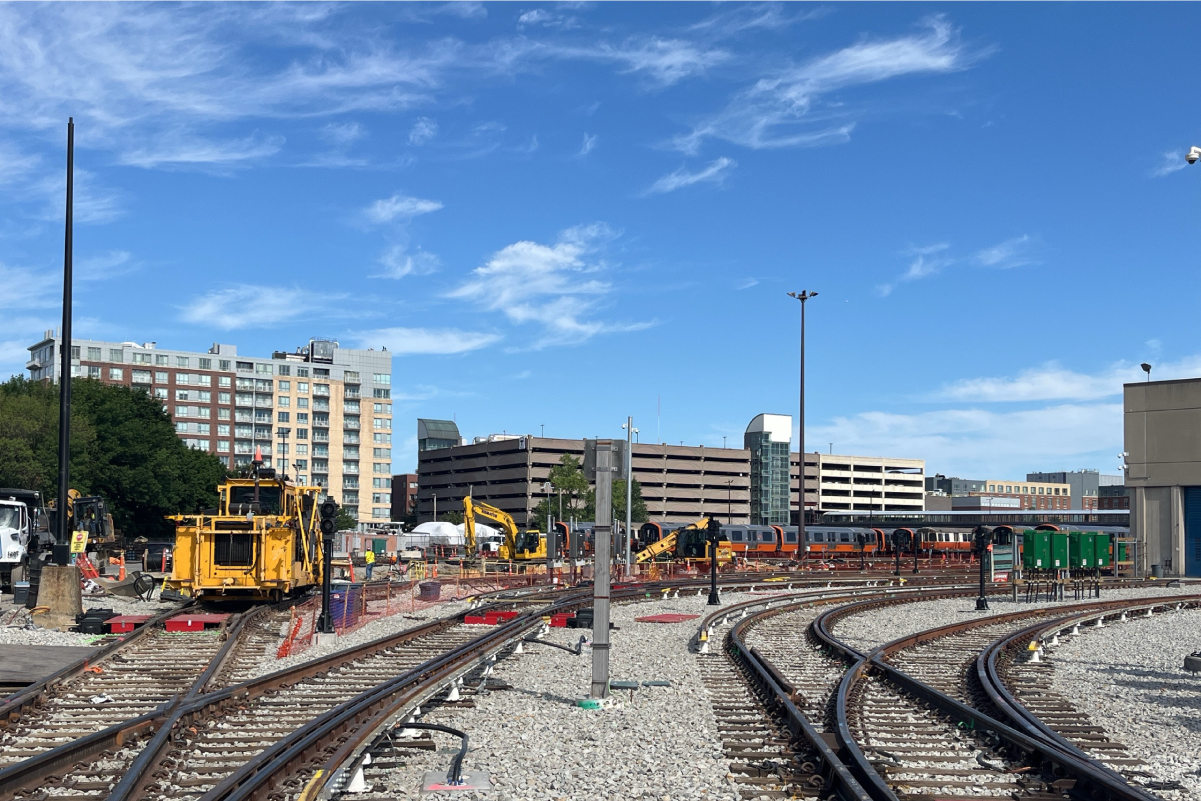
768 438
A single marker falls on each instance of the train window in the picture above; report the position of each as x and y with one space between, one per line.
816 536
844 536
735 536
790 536
769 536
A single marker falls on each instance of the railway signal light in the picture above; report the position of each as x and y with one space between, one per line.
982 544
329 527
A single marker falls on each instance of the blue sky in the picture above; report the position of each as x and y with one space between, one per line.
563 214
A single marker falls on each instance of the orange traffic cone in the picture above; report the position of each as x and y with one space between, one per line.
121 572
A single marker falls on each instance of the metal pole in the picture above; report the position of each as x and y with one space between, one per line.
713 534
600 584
325 624
436 507
629 487
802 296
64 382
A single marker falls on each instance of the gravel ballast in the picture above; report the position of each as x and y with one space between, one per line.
662 743
874 628
15 632
1130 679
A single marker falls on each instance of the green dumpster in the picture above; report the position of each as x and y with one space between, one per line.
1082 549
1059 549
1101 549
1036 550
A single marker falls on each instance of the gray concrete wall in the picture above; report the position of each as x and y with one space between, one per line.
1162 428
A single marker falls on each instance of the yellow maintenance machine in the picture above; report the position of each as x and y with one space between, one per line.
519 545
262 542
689 544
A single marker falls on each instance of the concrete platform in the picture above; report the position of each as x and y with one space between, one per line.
22 665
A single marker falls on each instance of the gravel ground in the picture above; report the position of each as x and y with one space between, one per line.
1129 678
873 629
12 620
372 631
538 746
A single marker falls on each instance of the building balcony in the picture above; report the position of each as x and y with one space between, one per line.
321 436
320 405
350 425
351 394
350 483
350 439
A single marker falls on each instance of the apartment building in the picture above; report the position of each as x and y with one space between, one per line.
679 483
404 496
1031 494
322 414
1085 484
836 482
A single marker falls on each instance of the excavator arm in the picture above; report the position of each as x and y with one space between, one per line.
473 508
648 553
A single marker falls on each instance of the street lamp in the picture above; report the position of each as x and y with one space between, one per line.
630 432
1146 369
802 296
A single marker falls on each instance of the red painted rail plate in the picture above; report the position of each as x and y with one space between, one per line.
123 624
669 617
188 622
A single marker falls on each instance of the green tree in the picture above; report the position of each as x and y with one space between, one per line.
619 503
123 448
567 476
454 517
345 520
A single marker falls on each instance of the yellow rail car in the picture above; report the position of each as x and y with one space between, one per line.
262 542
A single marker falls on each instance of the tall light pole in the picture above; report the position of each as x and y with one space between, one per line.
802 296
630 432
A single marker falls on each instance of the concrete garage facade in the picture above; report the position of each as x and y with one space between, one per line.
1163 473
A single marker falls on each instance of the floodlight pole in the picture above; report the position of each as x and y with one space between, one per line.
63 534
802 296
601 567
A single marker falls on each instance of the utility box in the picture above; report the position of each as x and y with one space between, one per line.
1082 549
1122 549
1059 549
1101 549
1036 550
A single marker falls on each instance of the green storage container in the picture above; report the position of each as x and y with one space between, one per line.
1101 549
1123 549
1036 550
1082 549
1059 549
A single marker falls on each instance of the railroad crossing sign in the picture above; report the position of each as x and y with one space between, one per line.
79 540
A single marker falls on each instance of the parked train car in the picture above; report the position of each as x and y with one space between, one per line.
752 540
945 540
840 539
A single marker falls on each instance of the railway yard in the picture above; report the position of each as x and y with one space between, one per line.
852 686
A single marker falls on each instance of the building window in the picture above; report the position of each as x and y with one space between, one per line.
284 386
381 393
204 397
381 422
182 361
245 367
302 433
381 497
116 355
284 402
223 381
161 360
161 393
263 369
223 364
385 468
140 376
138 358
283 417
383 439
381 513
383 408
302 449
181 394
223 397
302 403
94 372
302 386
205 364
115 374
302 372
382 378
281 449
222 446
320 372
381 453
223 414
223 430
93 354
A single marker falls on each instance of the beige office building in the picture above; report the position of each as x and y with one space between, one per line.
838 483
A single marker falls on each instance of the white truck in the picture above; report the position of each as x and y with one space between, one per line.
21 522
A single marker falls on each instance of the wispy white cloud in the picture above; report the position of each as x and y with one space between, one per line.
190 152
418 341
547 18
1055 383
399 207
342 133
104 266
423 130
398 262
1010 253
249 306
747 283
662 61
978 443
587 146
26 288
1169 162
554 286
779 109
742 17
714 172
93 203
926 261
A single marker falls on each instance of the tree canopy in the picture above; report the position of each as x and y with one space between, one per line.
123 448
579 499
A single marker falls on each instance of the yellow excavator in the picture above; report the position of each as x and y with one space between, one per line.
689 544
519 545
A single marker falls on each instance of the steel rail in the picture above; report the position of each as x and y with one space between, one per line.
1053 760
993 684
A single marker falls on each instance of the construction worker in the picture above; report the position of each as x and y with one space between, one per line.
369 558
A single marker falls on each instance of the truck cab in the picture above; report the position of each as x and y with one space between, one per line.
20 516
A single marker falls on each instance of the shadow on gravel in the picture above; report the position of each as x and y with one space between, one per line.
544 696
